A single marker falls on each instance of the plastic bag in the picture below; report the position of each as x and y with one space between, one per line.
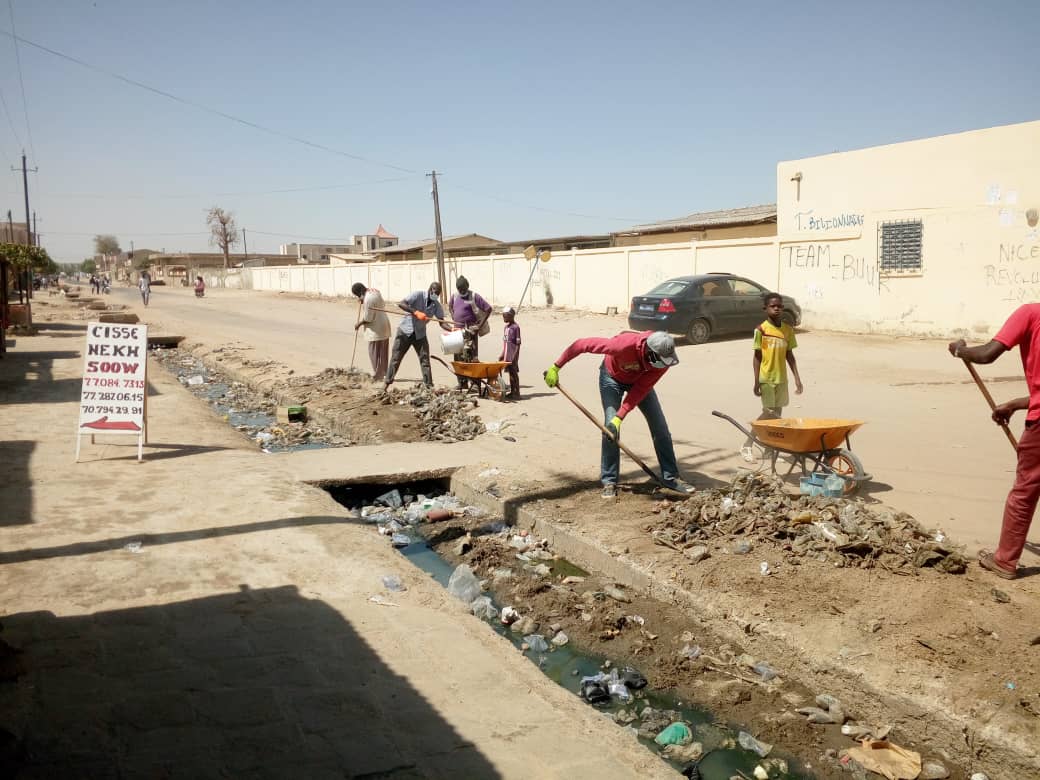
482 608
393 583
748 742
463 584
536 642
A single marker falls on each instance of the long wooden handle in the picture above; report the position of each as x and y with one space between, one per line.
406 314
603 428
989 400
353 352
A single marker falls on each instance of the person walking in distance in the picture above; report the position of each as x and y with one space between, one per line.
1021 330
419 306
632 365
377 328
145 286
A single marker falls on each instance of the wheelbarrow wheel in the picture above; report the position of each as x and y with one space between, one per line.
846 464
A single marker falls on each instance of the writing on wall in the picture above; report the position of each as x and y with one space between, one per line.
845 267
1015 283
807 220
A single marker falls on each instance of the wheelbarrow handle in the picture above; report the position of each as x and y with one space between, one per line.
737 425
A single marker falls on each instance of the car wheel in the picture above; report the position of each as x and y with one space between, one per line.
699 331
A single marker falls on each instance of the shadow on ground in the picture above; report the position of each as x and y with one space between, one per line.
16 490
259 683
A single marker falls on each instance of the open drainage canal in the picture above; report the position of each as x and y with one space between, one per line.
249 412
701 746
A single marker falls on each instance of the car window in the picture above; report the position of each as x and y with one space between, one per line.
716 287
671 287
740 287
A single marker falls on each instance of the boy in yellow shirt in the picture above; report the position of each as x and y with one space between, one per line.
774 345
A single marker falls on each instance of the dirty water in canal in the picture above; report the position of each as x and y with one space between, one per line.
251 413
705 748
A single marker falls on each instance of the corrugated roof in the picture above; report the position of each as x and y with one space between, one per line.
413 245
745 215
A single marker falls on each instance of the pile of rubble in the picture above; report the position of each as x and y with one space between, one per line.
444 414
328 382
755 510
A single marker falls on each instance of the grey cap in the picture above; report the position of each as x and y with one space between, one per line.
663 345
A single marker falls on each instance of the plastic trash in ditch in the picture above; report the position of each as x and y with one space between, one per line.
463 584
393 583
391 499
196 380
765 671
560 639
537 643
617 687
691 652
748 742
400 540
594 689
632 679
677 733
509 616
133 547
482 608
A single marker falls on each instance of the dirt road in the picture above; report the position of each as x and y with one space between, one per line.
928 440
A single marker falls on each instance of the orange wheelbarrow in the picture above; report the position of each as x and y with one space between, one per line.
486 376
817 445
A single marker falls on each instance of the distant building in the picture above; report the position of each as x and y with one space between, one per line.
467 245
561 244
14 233
314 253
743 222
373 242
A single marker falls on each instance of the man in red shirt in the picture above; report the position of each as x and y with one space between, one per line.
1022 330
633 364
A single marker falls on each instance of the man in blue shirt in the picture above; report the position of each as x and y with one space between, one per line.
420 307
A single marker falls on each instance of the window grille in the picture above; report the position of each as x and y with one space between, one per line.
899 246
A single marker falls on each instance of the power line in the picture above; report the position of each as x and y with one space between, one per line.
10 122
21 81
202 107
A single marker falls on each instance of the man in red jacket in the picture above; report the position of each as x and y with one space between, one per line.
633 364
1022 330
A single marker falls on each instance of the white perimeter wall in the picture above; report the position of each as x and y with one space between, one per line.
592 279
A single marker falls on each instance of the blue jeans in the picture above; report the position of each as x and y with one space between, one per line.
611 393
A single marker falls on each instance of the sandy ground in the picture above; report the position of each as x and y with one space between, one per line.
240 640
928 440
945 646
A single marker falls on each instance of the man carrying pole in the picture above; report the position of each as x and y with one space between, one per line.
1022 330
421 306
632 365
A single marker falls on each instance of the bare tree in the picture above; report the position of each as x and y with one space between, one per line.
224 232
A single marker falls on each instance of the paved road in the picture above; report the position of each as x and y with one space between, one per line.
928 440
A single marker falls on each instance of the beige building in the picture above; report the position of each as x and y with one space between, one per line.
743 222
466 245
932 237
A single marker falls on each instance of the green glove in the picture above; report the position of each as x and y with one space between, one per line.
552 376
614 426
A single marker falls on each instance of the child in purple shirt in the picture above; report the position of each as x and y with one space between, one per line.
511 352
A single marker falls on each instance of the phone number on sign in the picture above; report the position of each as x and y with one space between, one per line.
88 409
89 395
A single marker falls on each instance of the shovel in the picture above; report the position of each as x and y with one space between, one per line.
595 421
989 400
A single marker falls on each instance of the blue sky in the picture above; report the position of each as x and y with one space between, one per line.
545 118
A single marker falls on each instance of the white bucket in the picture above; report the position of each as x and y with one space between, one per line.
451 342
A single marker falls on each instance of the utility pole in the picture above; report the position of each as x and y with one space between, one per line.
36 236
440 237
28 225
10 228
245 248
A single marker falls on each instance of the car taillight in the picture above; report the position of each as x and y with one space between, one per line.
666 306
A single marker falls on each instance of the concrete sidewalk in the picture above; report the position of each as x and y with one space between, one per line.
240 640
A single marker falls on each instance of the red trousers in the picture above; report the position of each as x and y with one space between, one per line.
1021 501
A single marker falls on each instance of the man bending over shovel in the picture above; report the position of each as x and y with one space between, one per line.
633 364
1022 330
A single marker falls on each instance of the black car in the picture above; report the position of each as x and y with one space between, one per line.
703 306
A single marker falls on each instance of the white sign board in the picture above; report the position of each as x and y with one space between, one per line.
115 377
